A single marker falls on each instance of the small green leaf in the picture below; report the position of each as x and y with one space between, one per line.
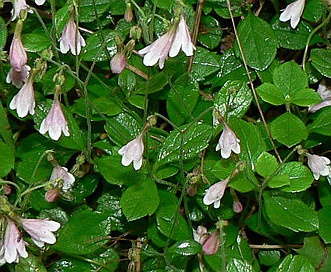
322 122
30 264
295 264
182 98
290 213
185 144
325 223
35 42
85 229
321 60
213 35
258 41
237 265
271 94
300 177
233 99
266 164
185 248
7 159
89 11
3 33
279 180
313 250
139 200
269 257
306 97
288 129
163 4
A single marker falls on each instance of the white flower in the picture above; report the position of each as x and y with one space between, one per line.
118 63
13 245
17 54
215 193
41 230
170 43
133 152
182 40
319 165
24 101
71 39
40 2
228 142
17 78
158 50
62 173
325 94
18 5
55 122
293 12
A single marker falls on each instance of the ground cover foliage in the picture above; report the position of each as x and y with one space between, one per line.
211 159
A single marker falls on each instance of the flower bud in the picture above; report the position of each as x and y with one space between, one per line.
118 63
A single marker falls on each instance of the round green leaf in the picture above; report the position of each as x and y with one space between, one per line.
288 129
258 41
7 159
185 248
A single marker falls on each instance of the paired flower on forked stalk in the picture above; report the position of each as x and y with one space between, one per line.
293 13
71 38
178 37
210 242
12 244
319 165
55 122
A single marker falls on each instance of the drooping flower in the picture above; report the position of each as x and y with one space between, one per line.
212 243
17 78
133 152
24 101
118 63
17 55
71 38
182 40
200 234
13 245
55 122
18 5
325 94
293 13
319 165
52 195
169 44
41 230
39 2
61 173
215 193
228 142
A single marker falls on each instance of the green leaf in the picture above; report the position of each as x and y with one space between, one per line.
100 46
30 264
269 257
169 221
288 129
163 4
205 63
89 11
182 98
3 33
290 78
279 180
185 144
114 172
325 223
6 133
322 122
185 248
231 68
35 42
233 99
306 97
213 35
314 10
266 164
271 94
290 213
290 38
295 264
258 42
82 234
140 199
300 177
313 250
321 60
7 159
237 265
